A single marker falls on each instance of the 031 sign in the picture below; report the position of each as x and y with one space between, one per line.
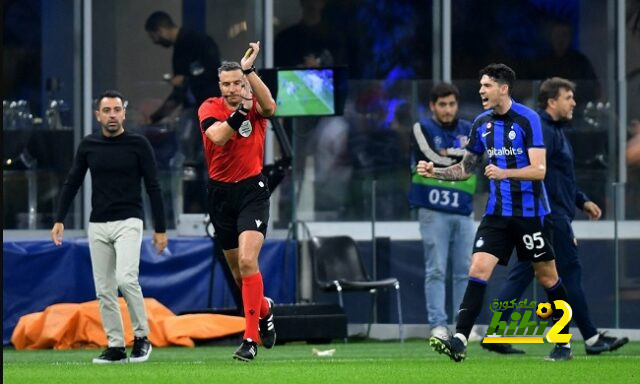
522 329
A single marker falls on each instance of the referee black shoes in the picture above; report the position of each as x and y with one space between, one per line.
247 351
267 328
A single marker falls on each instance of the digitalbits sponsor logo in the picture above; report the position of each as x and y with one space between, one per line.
504 151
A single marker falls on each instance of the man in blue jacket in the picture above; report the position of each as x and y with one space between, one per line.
556 103
444 208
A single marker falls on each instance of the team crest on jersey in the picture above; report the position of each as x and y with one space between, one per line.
245 129
512 135
480 243
488 125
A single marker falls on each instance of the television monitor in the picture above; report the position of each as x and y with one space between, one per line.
301 92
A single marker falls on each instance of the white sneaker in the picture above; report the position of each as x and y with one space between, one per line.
476 334
440 332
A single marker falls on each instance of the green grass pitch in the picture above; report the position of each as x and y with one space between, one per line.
355 362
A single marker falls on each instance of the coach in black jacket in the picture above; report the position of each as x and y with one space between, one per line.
118 161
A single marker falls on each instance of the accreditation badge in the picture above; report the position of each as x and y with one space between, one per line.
245 129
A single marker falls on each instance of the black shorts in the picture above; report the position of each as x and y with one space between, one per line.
531 236
238 207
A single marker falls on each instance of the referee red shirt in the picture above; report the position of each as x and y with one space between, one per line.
240 157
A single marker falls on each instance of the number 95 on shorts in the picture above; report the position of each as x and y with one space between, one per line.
530 236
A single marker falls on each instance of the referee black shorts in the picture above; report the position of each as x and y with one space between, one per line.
531 237
238 207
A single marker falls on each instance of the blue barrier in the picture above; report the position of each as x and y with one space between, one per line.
37 274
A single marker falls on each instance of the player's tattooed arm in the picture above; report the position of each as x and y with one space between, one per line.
461 171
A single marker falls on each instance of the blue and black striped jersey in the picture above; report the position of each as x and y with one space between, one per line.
506 140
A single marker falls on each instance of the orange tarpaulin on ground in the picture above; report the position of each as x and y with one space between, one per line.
65 326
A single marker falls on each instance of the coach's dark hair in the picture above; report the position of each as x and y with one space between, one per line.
109 93
443 90
229 66
550 89
501 73
158 19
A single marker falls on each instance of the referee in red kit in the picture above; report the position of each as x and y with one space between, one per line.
233 132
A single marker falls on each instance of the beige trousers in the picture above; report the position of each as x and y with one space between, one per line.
115 259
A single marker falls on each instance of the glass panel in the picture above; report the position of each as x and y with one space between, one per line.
545 39
120 40
233 24
337 159
632 187
38 131
119 43
357 34
628 261
633 110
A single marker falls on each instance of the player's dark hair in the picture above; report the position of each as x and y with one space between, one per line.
443 90
158 19
500 73
111 94
550 89
229 66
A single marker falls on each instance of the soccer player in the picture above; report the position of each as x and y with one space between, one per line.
233 131
511 136
444 211
556 103
118 161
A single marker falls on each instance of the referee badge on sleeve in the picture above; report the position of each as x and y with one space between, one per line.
245 129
